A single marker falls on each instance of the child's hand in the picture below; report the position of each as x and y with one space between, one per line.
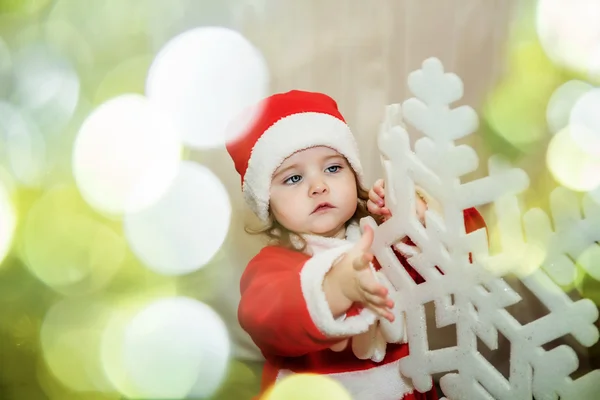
364 287
376 202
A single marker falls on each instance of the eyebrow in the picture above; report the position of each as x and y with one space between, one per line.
296 165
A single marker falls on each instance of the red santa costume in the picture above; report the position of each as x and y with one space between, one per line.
283 306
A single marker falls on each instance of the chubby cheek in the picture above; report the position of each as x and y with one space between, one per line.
345 192
287 208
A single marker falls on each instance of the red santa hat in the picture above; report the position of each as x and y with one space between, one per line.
280 126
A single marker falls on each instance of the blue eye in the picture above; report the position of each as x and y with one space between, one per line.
293 179
334 168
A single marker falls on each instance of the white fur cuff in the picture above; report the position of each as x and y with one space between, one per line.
311 279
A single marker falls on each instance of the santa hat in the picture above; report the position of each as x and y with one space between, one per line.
280 126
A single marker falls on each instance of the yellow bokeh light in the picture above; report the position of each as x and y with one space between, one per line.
67 248
307 387
8 218
26 7
127 77
516 109
589 288
589 260
570 165
70 339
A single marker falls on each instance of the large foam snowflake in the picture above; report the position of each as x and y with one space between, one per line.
470 292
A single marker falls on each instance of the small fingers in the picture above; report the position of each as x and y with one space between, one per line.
379 188
365 242
383 312
378 300
371 286
376 198
374 208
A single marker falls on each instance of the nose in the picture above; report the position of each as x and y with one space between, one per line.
317 187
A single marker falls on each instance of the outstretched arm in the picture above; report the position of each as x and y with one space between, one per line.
288 306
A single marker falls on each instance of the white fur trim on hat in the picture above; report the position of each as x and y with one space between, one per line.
284 138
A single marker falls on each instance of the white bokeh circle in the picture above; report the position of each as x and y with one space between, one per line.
570 165
204 78
561 103
569 32
186 227
176 347
584 121
122 144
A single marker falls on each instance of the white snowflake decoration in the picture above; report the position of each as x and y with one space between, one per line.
473 296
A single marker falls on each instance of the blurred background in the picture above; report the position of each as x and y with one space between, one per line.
121 219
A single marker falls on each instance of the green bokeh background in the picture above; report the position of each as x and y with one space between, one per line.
111 50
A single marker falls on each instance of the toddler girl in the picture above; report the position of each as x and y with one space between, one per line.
307 295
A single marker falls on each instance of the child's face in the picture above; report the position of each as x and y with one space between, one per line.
310 178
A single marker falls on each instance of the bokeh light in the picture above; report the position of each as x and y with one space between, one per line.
589 260
516 108
148 289
307 387
66 247
5 68
123 144
68 41
589 288
103 227
570 33
23 145
186 227
129 77
523 260
70 338
570 165
103 25
23 6
585 122
205 77
595 195
176 347
46 86
8 219
562 101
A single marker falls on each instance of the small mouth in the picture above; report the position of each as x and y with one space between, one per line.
322 207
